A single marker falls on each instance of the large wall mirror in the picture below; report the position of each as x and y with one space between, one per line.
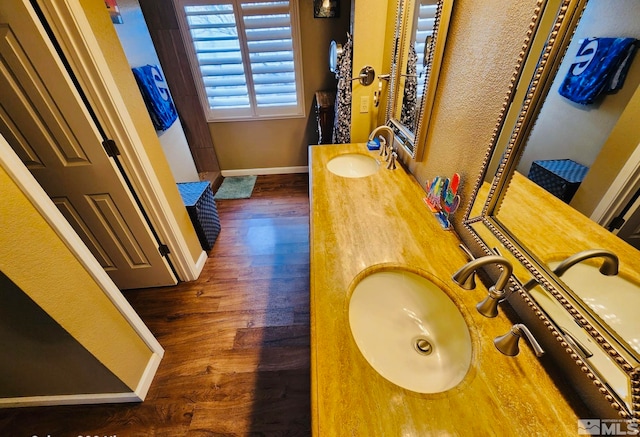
559 192
421 33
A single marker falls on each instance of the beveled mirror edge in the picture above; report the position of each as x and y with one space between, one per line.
611 398
440 30
432 75
566 22
393 73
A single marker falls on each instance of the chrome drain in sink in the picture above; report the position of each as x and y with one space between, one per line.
422 346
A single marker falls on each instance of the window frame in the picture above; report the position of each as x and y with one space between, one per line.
253 112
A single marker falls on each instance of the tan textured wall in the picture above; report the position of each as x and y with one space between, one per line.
114 54
283 143
482 49
39 262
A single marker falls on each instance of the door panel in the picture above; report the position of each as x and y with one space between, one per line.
46 122
81 228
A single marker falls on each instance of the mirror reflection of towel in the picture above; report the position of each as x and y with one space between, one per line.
155 93
600 67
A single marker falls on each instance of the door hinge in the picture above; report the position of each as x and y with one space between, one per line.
164 250
110 147
616 223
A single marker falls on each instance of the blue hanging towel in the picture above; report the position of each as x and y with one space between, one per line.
600 67
155 93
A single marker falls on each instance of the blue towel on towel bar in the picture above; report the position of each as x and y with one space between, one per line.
155 93
600 67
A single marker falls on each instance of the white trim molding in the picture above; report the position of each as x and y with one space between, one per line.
620 191
265 171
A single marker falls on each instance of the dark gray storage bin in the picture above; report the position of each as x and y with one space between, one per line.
198 199
560 177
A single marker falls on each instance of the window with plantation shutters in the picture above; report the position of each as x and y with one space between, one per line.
426 17
245 57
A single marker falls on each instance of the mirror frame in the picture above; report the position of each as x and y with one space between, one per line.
411 141
557 41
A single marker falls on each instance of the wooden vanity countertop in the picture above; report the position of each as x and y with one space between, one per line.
553 230
381 220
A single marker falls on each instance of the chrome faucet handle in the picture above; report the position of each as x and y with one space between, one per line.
508 343
467 252
392 161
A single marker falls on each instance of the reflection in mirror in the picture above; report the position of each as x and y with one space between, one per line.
420 25
587 198
571 142
417 61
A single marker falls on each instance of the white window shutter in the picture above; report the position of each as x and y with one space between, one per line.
246 57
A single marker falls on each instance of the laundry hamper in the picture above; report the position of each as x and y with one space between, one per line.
560 177
198 199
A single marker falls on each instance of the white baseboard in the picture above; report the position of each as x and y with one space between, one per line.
263 171
82 399
200 264
148 375
91 398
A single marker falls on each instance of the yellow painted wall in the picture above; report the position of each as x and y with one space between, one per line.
40 264
104 31
369 39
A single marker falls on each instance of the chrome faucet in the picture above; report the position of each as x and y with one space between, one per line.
389 141
609 265
465 278
508 343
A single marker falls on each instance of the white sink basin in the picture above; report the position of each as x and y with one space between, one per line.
613 298
410 331
614 375
353 165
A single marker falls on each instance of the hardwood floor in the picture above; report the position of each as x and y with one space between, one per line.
236 340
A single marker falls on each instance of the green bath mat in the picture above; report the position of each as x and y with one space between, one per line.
236 187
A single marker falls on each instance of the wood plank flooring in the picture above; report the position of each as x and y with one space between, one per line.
236 340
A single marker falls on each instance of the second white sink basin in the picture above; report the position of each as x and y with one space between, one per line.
410 331
613 298
353 165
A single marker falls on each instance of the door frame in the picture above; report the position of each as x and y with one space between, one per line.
69 23
620 191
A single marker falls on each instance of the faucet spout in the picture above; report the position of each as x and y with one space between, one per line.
609 265
384 128
464 277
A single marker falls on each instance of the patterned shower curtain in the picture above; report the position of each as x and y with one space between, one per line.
410 101
342 122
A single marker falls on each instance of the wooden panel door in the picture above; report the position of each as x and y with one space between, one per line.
46 122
